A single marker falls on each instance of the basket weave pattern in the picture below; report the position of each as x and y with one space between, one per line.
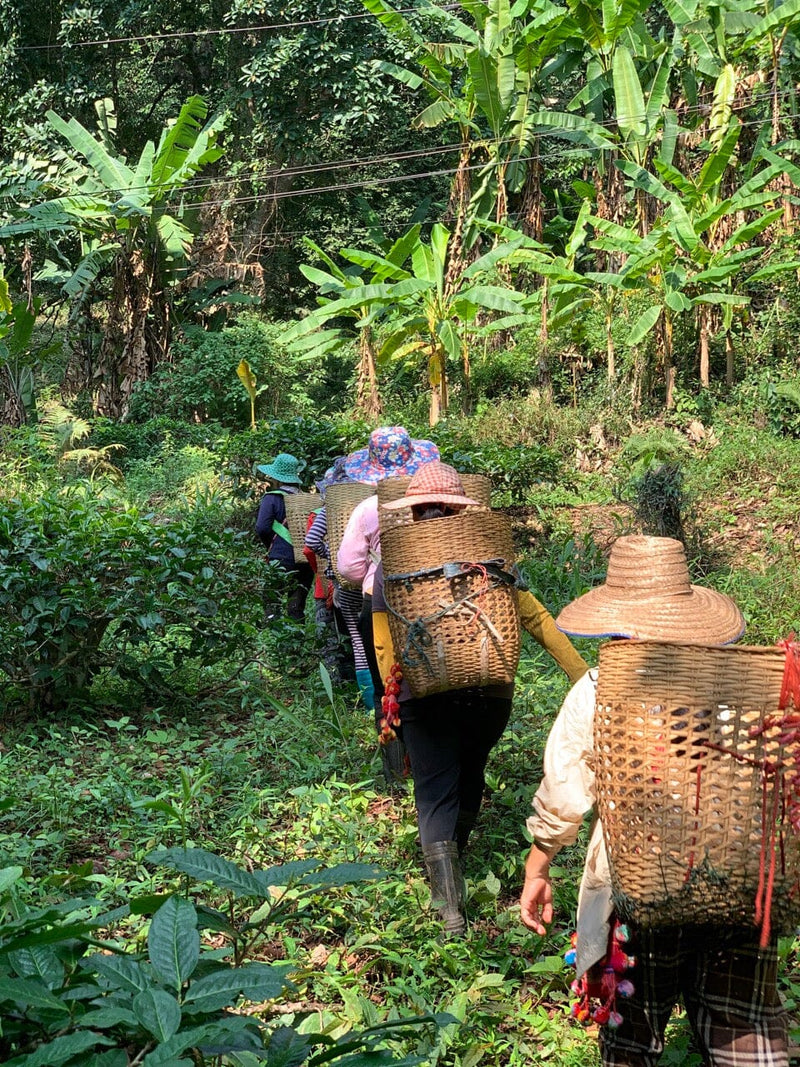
298 507
476 486
340 500
683 797
459 631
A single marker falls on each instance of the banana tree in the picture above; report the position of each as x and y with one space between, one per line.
425 318
340 293
131 227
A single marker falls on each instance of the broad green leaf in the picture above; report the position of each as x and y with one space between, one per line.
677 302
40 962
745 233
175 238
722 298
448 335
173 941
8 875
780 18
113 173
644 324
207 867
121 972
158 1012
722 105
572 128
62 1049
221 989
773 269
628 96
488 297
30 993
106 1018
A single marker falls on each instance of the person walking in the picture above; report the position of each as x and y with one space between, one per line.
450 735
390 453
294 579
727 983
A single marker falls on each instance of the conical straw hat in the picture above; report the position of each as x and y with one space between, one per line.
647 594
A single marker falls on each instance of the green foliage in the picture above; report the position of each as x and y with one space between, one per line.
652 483
316 440
63 1000
201 382
88 582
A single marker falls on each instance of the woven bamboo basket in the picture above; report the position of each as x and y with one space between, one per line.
453 625
476 486
298 507
340 499
682 792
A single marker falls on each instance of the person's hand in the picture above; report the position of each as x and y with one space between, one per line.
536 902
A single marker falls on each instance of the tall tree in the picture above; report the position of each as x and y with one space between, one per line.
130 227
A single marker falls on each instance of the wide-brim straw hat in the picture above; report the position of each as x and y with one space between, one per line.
434 483
647 594
391 453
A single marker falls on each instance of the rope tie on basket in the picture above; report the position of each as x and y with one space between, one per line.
780 783
418 637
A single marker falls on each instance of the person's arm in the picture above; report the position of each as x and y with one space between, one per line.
384 649
317 534
266 514
565 794
536 902
540 624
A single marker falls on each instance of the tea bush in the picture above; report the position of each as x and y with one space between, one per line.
87 582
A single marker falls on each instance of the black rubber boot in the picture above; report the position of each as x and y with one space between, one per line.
448 891
464 827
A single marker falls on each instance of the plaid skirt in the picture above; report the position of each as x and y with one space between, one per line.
728 987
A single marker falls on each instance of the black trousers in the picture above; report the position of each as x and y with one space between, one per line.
292 589
449 737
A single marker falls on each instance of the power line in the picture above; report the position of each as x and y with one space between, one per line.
228 30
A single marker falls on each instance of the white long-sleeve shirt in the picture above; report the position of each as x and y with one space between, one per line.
565 795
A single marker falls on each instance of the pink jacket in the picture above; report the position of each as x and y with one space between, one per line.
360 550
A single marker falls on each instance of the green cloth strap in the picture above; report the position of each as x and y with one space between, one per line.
279 529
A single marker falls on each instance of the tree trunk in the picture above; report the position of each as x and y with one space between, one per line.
728 359
669 368
704 329
544 361
437 377
531 210
368 400
611 368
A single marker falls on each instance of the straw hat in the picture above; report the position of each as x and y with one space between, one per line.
434 483
284 469
647 594
391 453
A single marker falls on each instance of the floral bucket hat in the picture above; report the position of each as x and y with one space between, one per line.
334 475
391 453
285 469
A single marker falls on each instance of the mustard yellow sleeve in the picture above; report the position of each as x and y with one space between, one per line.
540 624
384 650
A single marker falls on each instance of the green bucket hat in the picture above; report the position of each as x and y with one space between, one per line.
285 469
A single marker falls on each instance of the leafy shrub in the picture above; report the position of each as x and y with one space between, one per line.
88 583
201 383
316 440
514 470
64 1002
140 441
651 481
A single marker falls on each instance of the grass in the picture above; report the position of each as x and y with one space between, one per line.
268 768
